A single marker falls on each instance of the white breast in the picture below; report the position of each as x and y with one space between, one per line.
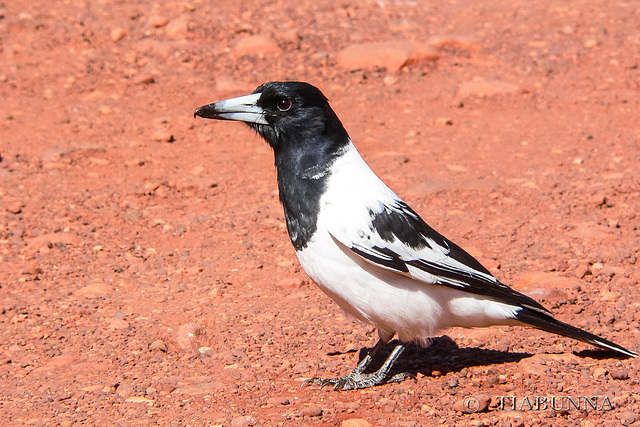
392 302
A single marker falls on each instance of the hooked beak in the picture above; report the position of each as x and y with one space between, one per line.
242 108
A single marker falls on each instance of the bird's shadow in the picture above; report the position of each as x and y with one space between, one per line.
444 356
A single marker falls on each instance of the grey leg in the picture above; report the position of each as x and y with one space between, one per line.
357 380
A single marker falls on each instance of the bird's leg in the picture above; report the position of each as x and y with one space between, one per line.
357 379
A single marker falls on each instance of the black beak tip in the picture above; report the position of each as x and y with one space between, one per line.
206 112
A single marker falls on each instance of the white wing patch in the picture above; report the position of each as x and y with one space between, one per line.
364 215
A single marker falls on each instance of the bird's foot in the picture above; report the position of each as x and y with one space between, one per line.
358 380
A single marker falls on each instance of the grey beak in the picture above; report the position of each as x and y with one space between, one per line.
242 108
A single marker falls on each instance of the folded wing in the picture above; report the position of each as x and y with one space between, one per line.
397 239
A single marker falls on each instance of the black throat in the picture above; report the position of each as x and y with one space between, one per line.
304 168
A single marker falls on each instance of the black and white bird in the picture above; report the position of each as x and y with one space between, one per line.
365 247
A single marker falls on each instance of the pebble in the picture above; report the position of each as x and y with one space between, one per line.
472 404
158 345
164 388
391 55
106 110
546 285
256 45
125 389
628 417
453 40
225 84
390 80
599 372
245 421
311 410
118 34
355 422
187 334
209 387
94 290
481 87
15 208
443 121
178 28
620 374
290 283
583 270
117 324
159 21
278 400
144 78
139 399
163 135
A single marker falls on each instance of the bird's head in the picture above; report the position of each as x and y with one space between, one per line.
288 115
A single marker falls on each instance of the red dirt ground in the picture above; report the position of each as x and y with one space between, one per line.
145 272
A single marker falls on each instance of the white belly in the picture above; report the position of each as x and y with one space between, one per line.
391 301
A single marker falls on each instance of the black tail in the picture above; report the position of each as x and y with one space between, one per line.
547 323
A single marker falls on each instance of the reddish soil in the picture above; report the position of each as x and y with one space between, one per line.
145 272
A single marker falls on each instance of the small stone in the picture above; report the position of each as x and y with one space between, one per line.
355 422
481 87
15 208
591 43
132 215
620 374
290 283
472 404
583 270
125 389
138 399
547 286
163 135
599 372
278 400
165 388
197 389
257 45
118 34
453 40
33 271
150 187
144 78
628 417
390 80
225 84
311 410
245 421
457 168
443 121
391 55
189 335
178 28
94 290
159 21
158 345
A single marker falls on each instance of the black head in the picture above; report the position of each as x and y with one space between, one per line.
286 114
306 135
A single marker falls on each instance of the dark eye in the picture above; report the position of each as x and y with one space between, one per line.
284 104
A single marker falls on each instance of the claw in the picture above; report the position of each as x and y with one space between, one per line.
357 380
